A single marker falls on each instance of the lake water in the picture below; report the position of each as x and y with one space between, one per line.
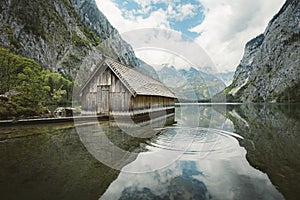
215 151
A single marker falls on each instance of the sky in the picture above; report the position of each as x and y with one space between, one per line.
202 33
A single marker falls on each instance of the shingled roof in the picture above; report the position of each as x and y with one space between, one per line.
136 82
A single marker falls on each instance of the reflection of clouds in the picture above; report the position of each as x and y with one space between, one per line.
160 183
222 179
224 172
164 150
236 179
151 161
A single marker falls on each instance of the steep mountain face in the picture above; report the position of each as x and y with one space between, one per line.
270 68
111 38
63 35
190 84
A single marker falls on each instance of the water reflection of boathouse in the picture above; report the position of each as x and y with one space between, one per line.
117 90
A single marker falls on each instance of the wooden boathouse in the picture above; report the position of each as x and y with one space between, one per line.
116 90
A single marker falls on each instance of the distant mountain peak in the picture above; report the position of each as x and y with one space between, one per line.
192 69
166 65
191 84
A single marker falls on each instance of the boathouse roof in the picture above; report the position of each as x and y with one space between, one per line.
136 82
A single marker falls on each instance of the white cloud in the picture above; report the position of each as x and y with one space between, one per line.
157 19
227 26
230 24
162 57
182 11
166 46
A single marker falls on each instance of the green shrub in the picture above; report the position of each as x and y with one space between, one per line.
35 86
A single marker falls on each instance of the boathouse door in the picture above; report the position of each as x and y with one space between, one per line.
103 99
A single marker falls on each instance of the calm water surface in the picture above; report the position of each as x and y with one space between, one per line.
212 152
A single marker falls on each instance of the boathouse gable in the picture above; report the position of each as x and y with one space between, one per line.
114 89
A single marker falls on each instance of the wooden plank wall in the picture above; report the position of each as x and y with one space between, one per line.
151 102
120 96
89 96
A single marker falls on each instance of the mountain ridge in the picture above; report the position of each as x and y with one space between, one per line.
190 84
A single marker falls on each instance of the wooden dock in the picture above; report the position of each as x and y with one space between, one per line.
136 117
54 120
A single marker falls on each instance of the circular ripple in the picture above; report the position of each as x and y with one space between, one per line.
194 140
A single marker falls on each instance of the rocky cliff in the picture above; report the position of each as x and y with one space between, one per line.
63 35
270 68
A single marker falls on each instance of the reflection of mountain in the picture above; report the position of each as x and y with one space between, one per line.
190 84
50 164
201 116
272 141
